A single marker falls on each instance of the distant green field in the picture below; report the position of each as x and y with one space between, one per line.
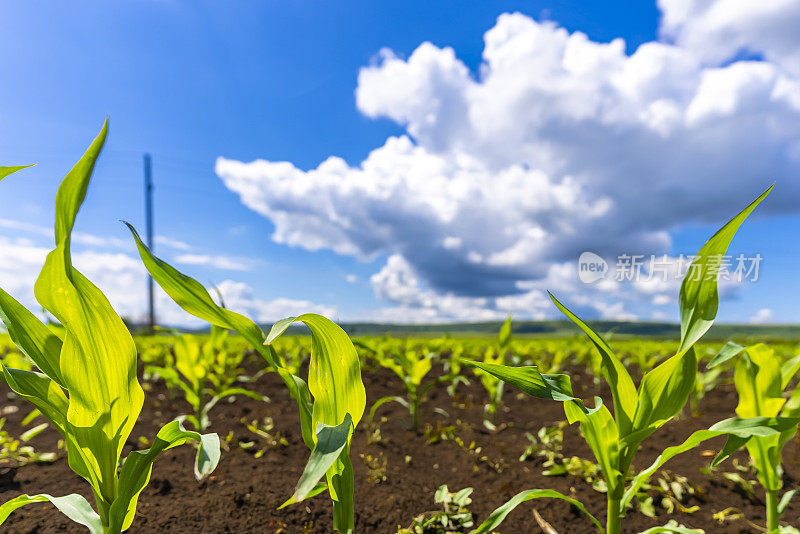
742 332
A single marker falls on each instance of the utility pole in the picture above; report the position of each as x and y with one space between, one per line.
148 214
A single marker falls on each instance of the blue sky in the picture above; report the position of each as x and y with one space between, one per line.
190 82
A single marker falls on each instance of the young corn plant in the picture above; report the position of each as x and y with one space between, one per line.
493 385
452 366
331 403
638 413
14 453
411 365
86 383
206 372
454 516
760 378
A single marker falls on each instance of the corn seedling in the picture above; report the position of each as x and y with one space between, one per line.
452 518
638 413
13 452
411 365
206 371
492 384
672 491
331 403
86 383
547 443
452 365
760 379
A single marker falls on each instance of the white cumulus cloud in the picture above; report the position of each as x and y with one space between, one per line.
556 145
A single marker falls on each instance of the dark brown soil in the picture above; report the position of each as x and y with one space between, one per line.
244 493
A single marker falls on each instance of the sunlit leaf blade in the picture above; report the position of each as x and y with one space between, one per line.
788 370
787 497
758 383
138 466
98 356
529 380
383 400
504 336
730 350
663 392
741 430
41 391
755 426
33 337
331 441
6 171
600 431
334 370
194 298
698 296
190 295
73 506
497 517
619 380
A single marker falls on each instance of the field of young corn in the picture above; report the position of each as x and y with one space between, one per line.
247 430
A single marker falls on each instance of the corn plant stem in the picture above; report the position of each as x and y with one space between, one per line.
773 517
613 520
415 412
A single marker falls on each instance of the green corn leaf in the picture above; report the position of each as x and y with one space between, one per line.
788 370
193 297
331 442
497 517
33 432
41 391
730 350
663 393
49 398
6 171
419 369
739 432
383 400
664 390
504 337
698 297
785 501
529 380
33 337
619 380
190 295
230 392
334 370
73 506
600 432
758 382
138 466
98 357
